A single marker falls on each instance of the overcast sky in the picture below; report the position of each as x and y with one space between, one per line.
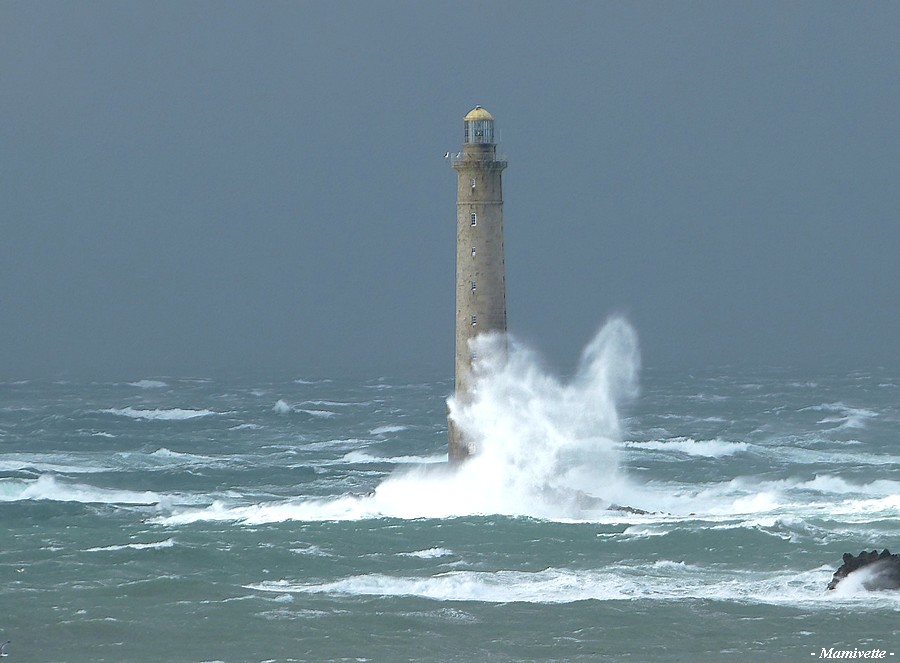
212 187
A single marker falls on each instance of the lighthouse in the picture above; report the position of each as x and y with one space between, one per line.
480 280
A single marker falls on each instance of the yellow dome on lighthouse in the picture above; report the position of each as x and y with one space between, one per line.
478 113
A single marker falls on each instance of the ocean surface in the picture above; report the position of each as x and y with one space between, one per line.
312 518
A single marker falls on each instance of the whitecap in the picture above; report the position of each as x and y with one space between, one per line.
825 483
47 487
643 531
714 448
171 414
345 443
823 496
848 417
149 384
281 407
181 458
430 553
54 463
335 403
548 586
713 398
156 545
324 414
345 508
615 583
671 565
363 457
866 510
312 551
283 598
837 457
383 430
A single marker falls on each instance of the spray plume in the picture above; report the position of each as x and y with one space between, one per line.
543 446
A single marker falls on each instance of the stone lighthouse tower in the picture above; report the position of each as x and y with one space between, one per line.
480 281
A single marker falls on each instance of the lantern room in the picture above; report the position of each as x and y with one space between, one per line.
479 127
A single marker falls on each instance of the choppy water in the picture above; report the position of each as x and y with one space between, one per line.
185 519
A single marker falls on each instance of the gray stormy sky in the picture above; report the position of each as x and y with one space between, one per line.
209 187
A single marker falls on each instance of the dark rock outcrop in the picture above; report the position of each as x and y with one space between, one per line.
883 569
587 502
628 509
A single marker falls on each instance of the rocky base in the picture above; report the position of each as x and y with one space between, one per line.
587 502
628 509
884 569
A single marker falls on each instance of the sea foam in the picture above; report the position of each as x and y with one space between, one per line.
663 580
707 448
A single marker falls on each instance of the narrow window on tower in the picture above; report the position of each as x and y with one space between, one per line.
474 321
474 218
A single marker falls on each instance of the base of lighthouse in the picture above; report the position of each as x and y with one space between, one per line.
457 450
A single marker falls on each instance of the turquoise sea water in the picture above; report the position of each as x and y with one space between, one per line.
176 519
